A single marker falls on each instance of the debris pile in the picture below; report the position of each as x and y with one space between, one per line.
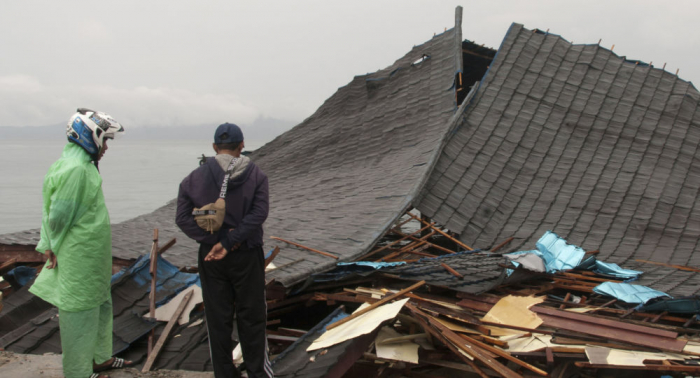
428 305
420 304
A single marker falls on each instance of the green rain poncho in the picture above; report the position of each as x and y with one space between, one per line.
75 226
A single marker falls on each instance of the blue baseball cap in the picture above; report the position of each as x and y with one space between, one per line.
228 133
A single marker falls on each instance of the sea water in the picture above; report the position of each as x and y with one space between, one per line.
138 176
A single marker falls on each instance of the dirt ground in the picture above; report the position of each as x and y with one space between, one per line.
49 366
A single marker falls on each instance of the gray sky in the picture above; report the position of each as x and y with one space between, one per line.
177 62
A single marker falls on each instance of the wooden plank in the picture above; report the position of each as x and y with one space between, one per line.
7 264
452 271
504 354
292 331
678 368
475 305
566 299
422 319
468 248
431 305
523 329
679 267
166 332
153 269
304 247
486 298
431 245
285 302
342 298
372 253
375 305
607 332
466 346
606 322
496 248
585 277
585 289
167 246
22 256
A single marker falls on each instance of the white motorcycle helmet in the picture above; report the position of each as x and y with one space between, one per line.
89 129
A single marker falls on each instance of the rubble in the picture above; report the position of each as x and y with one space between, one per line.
538 324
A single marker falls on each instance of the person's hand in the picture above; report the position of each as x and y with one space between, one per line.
217 252
52 259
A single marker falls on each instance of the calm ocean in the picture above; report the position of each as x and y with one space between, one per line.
138 176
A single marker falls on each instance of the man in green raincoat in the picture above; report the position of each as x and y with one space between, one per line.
76 237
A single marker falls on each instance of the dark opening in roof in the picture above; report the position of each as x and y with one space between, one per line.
476 60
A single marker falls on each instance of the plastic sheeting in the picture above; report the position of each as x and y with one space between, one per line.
612 269
628 293
21 275
530 260
75 226
558 254
687 305
375 265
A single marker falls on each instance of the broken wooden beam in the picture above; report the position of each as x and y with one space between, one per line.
610 329
679 267
21 255
432 245
452 271
445 334
372 253
153 269
504 354
496 248
677 368
284 265
468 248
375 305
166 332
167 246
305 247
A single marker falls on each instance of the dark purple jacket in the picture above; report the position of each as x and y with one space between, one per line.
247 204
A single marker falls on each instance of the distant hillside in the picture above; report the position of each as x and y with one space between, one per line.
260 132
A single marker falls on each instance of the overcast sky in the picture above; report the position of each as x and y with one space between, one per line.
178 62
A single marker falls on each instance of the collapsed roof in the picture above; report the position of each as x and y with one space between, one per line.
540 135
577 140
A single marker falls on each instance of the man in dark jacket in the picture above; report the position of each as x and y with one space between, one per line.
231 259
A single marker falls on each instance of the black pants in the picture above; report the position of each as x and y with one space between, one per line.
236 283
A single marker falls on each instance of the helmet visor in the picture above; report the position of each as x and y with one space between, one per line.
111 128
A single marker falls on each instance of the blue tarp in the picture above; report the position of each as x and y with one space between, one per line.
168 277
22 274
628 293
